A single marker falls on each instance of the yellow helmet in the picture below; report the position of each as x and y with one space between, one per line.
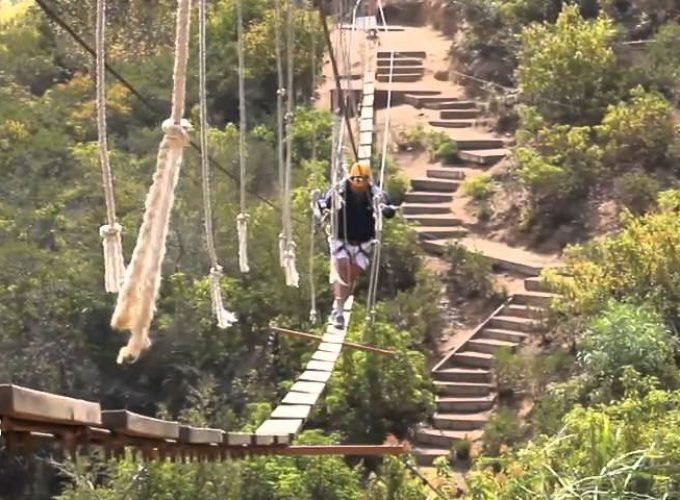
359 176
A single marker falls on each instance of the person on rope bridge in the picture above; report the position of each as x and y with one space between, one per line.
350 245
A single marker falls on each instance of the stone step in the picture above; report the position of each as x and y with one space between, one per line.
433 220
513 323
426 208
438 232
479 144
482 156
405 78
440 105
524 311
458 114
489 346
400 70
536 284
443 439
446 173
451 123
506 335
437 185
387 54
425 456
461 421
462 389
399 61
463 405
472 359
427 197
540 299
463 374
435 247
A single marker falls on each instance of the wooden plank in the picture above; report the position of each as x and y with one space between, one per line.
367 113
325 356
200 435
300 398
368 100
322 366
333 338
366 138
283 430
238 438
132 424
365 152
314 376
22 403
291 411
325 346
366 126
309 387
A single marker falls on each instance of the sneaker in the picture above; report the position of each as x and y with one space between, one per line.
337 320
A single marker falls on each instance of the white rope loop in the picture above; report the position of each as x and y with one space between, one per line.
224 317
114 263
242 219
242 230
137 298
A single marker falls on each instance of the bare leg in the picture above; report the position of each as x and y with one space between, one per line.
348 273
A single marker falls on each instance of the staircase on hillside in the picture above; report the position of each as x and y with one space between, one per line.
466 395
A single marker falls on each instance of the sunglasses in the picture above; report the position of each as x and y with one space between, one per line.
358 178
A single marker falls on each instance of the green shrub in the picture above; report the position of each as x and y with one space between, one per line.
637 191
446 152
502 429
479 188
471 273
509 371
461 449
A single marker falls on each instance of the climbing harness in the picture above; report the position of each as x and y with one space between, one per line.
242 219
114 264
224 318
137 298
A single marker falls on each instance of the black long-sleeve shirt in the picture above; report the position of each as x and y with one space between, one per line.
355 215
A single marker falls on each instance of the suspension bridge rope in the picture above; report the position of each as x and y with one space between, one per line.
279 126
224 318
114 264
137 298
242 219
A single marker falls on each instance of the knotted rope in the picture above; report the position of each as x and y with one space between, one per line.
110 233
137 298
242 219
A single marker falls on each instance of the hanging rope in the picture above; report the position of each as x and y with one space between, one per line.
289 246
114 264
280 92
242 219
224 318
137 298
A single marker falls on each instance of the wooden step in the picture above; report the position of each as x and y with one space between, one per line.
524 311
463 405
506 335
400 70
489 346
444 439
479 144
399 61
437 185
425 456
539 299
427 197
426 208
435 247
482 156
433 220
458 114
513 323
441 105
405 78
536 284
461 421
463 374
462 389
438 232
451 123
446 173
419 54
472 359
